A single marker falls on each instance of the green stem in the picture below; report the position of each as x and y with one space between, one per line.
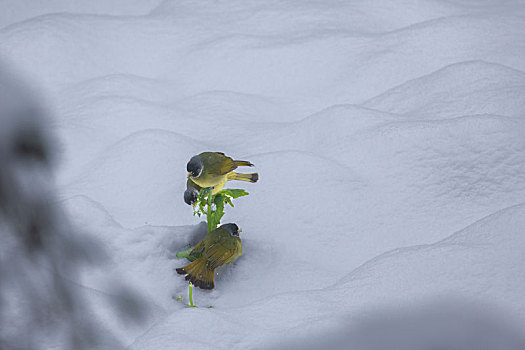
191 295
210 223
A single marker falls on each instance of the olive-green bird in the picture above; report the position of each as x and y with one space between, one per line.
213 169
219 247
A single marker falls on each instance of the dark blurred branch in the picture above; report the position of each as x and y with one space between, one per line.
41 252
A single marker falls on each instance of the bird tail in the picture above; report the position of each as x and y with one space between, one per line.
242 163
243 177
198 274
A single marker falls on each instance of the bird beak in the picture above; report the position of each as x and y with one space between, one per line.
188 174
240 229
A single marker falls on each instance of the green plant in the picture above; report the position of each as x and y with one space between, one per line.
190 295
213 207
186 254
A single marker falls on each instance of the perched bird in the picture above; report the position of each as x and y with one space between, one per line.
213 169
219 247
192 192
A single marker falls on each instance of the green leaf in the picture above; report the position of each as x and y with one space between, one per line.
186 254
228 200
213 206
219 209
234 193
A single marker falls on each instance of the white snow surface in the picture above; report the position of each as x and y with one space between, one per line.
389 138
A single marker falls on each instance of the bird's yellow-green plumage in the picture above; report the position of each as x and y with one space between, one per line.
190 183
219 247
216 189
218 169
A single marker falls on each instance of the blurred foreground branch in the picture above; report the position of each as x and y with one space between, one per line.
40 252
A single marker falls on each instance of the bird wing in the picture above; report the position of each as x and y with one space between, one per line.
223 250
227 166
218 163
199 248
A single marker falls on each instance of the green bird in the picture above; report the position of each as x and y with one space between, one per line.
219 247
214 169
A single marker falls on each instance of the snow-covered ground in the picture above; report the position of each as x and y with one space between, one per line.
389 137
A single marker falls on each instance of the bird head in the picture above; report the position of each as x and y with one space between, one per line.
191 195
195 166
232 228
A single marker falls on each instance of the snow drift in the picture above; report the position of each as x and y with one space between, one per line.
379 129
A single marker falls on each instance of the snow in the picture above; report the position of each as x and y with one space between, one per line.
389 138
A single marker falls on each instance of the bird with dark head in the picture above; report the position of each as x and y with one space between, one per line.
214 169
192 192
195 166
219 247
190 196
